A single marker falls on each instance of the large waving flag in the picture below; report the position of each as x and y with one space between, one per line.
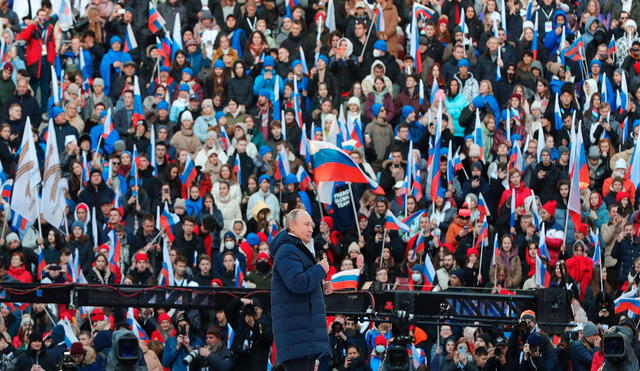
391 222
164 50
177 37
303 178
52 204
24 202
156 22
331 164
628 302
345 280
167 221
135 326
130 42
138 111
575 51
166 277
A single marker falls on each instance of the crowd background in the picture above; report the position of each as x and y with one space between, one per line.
181 135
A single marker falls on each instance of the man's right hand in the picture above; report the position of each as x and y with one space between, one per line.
324 264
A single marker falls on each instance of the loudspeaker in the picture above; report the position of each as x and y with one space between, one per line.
552 309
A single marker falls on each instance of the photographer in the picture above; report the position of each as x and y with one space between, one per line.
177 347
582 351
520 335
353 361
531 355
338 341
626 249
35 358
252 340
497 360
214 354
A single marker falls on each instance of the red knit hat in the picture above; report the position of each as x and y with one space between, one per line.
449 247
473 251
380 340
550 207
582 228
164 317
264 256
621 195
262 236
141 256
217 281
329 221
97 315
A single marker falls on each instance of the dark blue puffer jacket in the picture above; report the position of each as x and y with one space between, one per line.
626 252
297 300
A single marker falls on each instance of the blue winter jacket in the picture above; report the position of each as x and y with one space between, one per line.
297 300
551 40
172 358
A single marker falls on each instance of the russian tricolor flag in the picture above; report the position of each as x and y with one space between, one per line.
434 157
135 326
189 173
239 275
542 276
282 168
138 111
380 27
237 168
7 190
496 250
166 277
167 221
156 22
303 178
394 224
41 263
429 271
224 138
628 302
130 42
345 280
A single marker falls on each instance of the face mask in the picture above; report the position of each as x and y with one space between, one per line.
379 349
229 245
377 53
263 267
416 277
618 174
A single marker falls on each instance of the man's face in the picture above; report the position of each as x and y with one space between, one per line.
213 340
96 179
381 207
22 86
448 262
396 158
302 227
141 265
430 31
188 227
296 29
147 227
128 100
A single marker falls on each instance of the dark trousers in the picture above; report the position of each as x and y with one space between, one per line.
41 84
307 363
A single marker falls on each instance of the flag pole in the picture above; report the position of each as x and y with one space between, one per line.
480 261
39 221
364 46
384 237
355 213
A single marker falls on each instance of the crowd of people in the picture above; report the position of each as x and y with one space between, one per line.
182 131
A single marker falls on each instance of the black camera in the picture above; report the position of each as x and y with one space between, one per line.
497 352
613 347
190 357
127 349
67 363
182 330
397 356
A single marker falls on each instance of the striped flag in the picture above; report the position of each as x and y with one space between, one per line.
177 43
345 280
282 168
27 178
391 222
166 277
542 277
239 275
496 251
429 271
156 22
135 326
237 168
628 302
138 111
379 20
542 244
130 42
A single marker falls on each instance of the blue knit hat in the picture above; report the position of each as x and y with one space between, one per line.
515 137
115 39
219 64
264 150
163 104
57 110
253 239
290 179
219 114
165 69
375 109
380 45
269 62
467 137
265 93
77 224
188 70
295 63
324 58
264 177
478 102
464 62
417 267
441 192
596 61
406 111
184 87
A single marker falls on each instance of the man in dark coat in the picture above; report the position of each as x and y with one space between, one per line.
297 300
96 192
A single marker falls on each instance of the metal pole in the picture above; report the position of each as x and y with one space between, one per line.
355 213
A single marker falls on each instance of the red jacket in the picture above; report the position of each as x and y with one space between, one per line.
33 36
20 274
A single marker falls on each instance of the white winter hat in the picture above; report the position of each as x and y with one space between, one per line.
621 164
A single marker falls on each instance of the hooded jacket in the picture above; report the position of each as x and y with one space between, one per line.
367 82
297 300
